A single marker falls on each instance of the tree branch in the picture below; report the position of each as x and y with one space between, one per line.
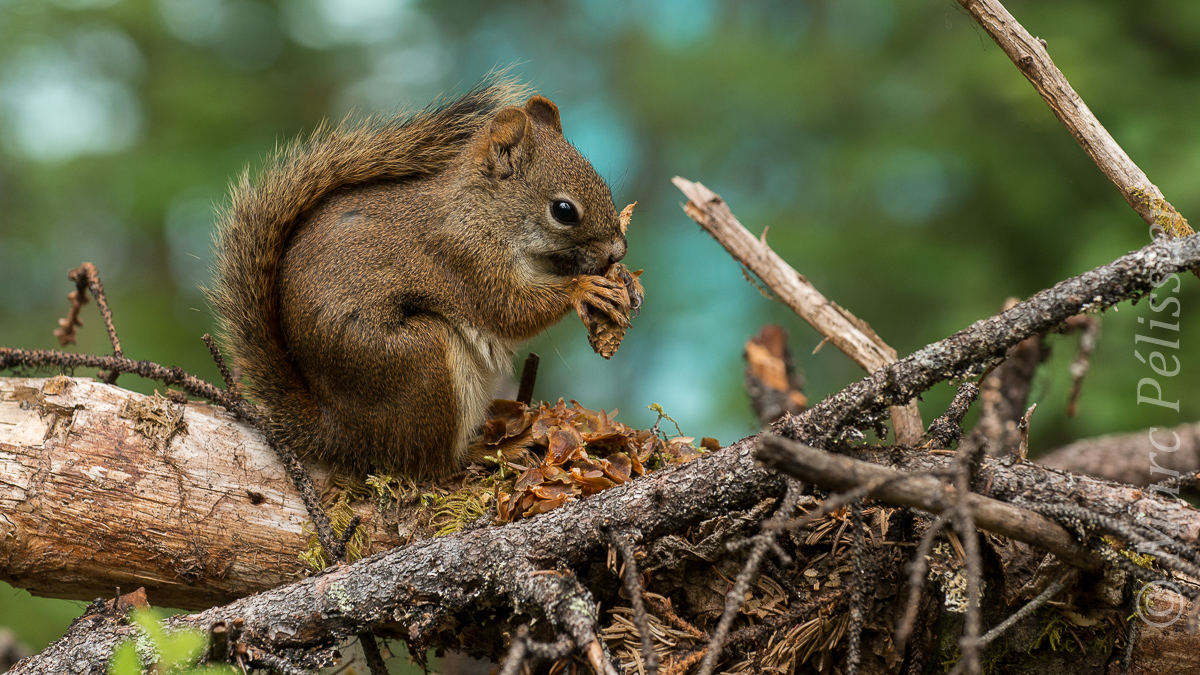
925 492
423 585
969 352
1031 58
106 488
847 332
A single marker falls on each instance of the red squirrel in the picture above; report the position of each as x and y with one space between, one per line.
375 281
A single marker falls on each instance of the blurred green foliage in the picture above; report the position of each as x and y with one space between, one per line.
175 651
900 160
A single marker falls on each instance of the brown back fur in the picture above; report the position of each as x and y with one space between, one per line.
254 230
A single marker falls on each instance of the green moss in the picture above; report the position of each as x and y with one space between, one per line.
459 509
1054 635
340 513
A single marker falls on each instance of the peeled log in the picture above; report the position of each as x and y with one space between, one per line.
102 488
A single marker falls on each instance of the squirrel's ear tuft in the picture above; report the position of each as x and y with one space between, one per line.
504 145
544 112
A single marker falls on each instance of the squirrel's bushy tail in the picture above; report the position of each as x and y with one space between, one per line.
254 230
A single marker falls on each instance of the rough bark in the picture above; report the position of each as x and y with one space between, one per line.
519 568
971 351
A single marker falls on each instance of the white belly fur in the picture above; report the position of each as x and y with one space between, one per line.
478 360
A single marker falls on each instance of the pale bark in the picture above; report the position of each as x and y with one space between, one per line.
199 515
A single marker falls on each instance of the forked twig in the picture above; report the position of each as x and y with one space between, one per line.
633 586
737 595
86 278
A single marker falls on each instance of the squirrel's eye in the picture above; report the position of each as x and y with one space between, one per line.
564 212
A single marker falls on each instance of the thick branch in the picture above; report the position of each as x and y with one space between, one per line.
1030 56
968 352
106 488
925 492
1132 458
847 332
417 585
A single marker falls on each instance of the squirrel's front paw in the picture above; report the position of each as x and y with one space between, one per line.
605 303
600 296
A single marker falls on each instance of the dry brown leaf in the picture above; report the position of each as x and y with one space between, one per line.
625 216
567 452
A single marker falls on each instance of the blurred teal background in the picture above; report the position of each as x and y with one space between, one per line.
900 160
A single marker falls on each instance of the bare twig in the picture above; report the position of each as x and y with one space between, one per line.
1171 555
1090 329
847 332
1029 608
737 595
66 326
1031 58
685 664
1004 393
662 606
215 352
370 649
175 377
348 534
86 278
788 619
831 504
633 587
1131 635
916 579
522 646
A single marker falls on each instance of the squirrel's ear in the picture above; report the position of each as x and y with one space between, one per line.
544 111
504 149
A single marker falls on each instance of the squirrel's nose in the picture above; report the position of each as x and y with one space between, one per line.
617 251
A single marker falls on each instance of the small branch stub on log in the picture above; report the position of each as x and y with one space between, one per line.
771 379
